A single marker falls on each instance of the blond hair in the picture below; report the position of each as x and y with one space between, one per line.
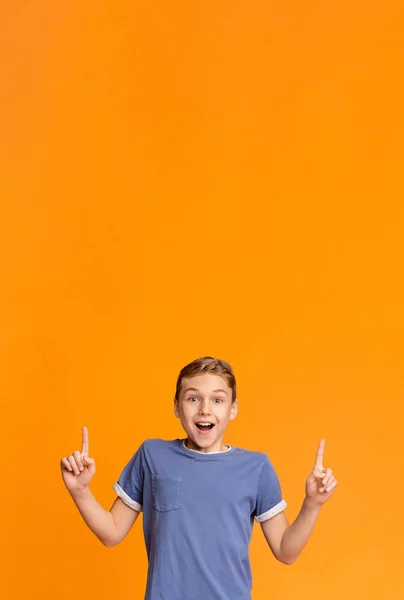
207 364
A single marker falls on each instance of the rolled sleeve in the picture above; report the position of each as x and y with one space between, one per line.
269 494
129 486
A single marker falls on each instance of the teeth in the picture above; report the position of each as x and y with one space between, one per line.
204 424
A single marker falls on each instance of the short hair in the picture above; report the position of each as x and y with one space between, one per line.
207 364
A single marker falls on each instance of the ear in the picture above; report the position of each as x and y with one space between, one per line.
176 411
234 410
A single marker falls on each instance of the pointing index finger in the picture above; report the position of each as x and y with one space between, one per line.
318 465
84 443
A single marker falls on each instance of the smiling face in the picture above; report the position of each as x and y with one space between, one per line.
205 407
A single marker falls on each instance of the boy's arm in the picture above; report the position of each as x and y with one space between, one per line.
287 541
110 526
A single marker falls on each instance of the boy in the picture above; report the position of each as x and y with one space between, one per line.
199 496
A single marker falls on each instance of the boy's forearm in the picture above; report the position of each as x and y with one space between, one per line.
298 533
98 519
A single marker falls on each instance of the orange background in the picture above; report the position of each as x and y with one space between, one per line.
188 178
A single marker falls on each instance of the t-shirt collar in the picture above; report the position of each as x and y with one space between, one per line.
207 453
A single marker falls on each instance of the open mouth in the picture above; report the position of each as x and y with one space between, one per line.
204 427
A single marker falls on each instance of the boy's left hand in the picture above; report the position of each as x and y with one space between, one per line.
321 483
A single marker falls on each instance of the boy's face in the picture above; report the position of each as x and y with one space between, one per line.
205 399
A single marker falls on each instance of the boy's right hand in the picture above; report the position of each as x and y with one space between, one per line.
78 469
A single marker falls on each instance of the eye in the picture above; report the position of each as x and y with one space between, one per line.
192 398
218 400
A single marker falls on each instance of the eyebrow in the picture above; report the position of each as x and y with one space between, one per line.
192 389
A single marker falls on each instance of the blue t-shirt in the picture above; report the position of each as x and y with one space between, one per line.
198 513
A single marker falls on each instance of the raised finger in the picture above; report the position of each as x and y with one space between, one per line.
73 464
318 465
66 464
77 458
85 441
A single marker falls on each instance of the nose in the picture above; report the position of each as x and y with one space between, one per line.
204 408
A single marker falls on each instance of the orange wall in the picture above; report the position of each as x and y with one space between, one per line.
184 178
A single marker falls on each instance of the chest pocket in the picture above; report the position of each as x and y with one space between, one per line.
166 492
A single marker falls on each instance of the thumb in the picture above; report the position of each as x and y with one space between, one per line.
312 478
89 462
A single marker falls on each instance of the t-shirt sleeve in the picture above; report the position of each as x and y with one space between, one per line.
129 486
269 495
